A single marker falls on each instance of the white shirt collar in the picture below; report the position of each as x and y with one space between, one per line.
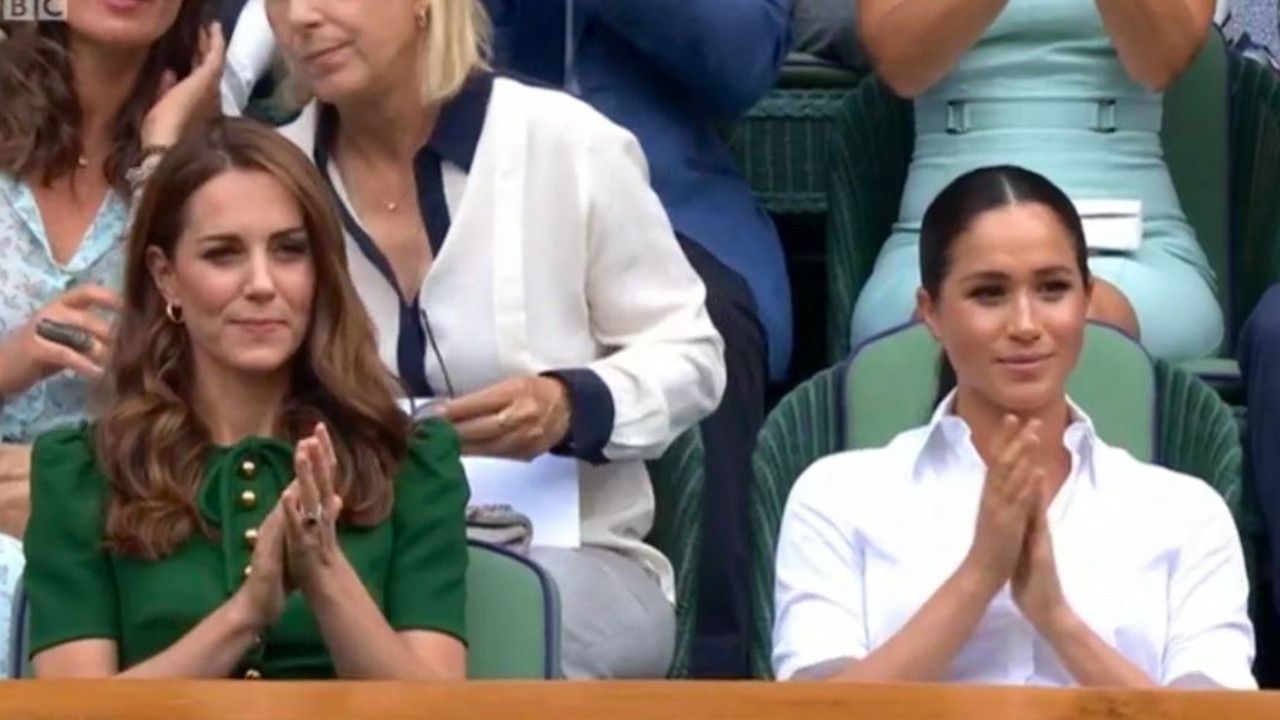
947 434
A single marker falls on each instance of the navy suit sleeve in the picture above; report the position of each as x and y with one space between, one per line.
229 14
725 54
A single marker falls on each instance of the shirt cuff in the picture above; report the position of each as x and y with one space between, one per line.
591 424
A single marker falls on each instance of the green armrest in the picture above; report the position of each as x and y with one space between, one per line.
803 71
679 478
513 617
1222 374
1254 184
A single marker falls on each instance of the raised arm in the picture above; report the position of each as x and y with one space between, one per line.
1156 39
725 55
915 43
418 635
821 622
820 616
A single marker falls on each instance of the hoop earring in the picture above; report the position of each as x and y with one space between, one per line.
173 312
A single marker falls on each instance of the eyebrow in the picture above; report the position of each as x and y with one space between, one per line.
998 276
294 233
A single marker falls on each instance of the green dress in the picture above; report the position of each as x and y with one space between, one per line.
413 564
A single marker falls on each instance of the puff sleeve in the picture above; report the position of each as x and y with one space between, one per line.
426 587
69 578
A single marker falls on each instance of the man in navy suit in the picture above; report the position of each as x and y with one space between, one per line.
672 71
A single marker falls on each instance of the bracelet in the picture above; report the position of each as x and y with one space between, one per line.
150 159
149 150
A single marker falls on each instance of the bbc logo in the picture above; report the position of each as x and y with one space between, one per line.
33 10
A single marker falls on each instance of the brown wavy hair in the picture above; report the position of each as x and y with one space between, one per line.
151 443
40 114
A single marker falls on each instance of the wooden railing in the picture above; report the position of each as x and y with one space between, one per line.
264 700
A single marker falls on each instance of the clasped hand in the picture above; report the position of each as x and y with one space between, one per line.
297 543
1012 542
519 418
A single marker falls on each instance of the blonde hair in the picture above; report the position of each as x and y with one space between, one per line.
456 42
459 37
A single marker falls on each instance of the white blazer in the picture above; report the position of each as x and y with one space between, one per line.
560 255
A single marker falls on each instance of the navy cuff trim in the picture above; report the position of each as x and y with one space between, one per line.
591 425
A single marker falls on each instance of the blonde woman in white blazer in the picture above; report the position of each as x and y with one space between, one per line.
508 245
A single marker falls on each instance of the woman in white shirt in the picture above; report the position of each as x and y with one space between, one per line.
1084 566
517 264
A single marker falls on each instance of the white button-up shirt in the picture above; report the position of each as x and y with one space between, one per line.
1149 558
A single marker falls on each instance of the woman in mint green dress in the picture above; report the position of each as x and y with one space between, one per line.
1070 89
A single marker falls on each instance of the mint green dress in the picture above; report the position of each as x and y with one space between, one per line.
1043 88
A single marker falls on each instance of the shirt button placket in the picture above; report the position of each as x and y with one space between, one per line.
248 500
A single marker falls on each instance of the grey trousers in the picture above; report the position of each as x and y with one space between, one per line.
615 621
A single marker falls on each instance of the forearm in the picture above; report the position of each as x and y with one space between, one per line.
209 651
1155 39
140 175
924 648
914 44
1090 660
362 644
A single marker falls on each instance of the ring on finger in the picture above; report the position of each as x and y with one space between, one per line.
312 517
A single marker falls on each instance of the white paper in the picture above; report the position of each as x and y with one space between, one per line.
1111 225
545 490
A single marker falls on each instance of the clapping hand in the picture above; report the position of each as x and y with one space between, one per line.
267 584
1008 496
1036 588
1012 542
311 509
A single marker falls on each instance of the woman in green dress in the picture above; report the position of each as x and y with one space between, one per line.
251 501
